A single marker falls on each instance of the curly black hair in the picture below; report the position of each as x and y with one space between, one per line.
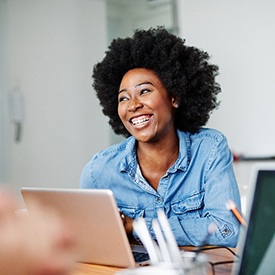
184 71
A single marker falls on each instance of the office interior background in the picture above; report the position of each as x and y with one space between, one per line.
51 122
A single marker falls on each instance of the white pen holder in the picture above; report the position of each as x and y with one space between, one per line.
192 264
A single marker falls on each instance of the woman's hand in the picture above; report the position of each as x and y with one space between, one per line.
128 224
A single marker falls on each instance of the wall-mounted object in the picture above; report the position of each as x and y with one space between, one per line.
16 112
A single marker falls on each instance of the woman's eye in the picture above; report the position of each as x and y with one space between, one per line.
123 98
144 91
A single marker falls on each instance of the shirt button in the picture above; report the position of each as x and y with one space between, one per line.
159 200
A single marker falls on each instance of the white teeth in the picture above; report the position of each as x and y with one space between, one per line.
137 121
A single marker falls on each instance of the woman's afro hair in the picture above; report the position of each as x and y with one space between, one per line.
184 71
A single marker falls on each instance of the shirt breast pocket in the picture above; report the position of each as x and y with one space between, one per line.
190 205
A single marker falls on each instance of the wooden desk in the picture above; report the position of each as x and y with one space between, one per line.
214 256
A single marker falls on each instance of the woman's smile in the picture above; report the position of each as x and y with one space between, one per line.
140 120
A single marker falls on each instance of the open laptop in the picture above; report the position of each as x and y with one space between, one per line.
257 241
94 220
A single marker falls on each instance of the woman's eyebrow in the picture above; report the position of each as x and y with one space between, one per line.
121 91
139 84
143 83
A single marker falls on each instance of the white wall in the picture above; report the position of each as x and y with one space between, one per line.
239 35
51 49
3 106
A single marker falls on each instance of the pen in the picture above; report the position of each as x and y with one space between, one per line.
171 242
230 205
161 241
145 237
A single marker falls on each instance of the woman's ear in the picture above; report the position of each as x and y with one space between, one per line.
175 103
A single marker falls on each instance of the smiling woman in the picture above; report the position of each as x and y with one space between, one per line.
159 93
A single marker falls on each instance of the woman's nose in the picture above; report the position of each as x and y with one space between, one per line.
134 104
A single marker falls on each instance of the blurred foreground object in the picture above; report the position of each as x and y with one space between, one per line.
34 243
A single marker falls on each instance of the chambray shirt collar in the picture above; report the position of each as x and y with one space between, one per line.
129 158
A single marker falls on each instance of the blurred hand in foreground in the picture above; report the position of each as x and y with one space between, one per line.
35 243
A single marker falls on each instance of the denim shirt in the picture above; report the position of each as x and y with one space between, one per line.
193 192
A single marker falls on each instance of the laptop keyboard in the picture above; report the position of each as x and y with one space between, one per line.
140 256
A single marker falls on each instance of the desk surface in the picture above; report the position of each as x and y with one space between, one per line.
215 255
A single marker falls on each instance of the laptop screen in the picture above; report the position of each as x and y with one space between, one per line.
260 238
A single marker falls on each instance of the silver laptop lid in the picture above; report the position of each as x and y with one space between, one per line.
93 218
